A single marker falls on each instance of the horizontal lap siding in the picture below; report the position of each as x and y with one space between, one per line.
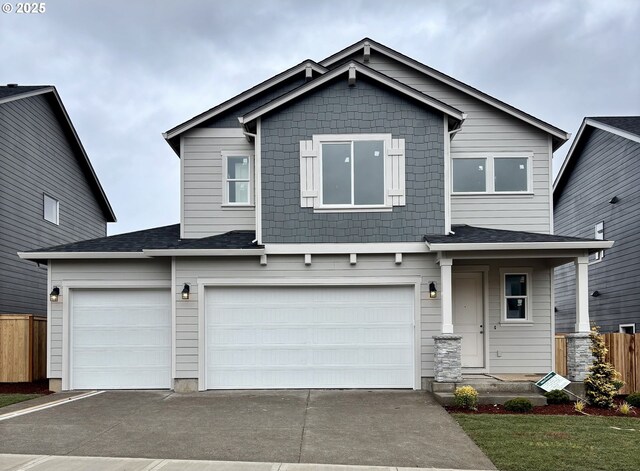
487 129
524 348
188 270
203 180
35 158
584 202
101 271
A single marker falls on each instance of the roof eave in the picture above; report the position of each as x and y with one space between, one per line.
457 247
370 73
176 131
35 256
560 135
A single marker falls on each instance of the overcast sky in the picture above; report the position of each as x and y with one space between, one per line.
129 70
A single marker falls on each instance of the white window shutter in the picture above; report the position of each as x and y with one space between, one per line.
308 174
395 174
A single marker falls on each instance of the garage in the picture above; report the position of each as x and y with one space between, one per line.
120 339
263 337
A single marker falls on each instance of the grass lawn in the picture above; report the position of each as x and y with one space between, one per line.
551 442
8 399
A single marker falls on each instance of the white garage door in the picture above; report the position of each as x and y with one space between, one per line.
310 337
121 339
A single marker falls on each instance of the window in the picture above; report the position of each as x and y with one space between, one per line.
627 328
51 209
599 235
516 289
480 173
352 172
237 185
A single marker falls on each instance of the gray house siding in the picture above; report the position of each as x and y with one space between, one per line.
36 158
486 130
607 165
340 109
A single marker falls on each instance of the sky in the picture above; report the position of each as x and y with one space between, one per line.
129 70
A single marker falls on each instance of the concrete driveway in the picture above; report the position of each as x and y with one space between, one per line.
385 428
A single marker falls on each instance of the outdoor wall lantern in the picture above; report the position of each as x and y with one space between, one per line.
595 294
53 296
614 200
185 291
433 292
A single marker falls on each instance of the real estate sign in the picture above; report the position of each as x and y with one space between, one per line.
553 381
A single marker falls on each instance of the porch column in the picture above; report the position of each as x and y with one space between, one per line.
582 295
446 298
579 357
447 346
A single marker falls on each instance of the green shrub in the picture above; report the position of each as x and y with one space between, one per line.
518 404
557 396
466 397
602 382
634 399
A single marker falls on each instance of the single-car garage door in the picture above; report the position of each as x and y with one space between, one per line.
310 337
121 339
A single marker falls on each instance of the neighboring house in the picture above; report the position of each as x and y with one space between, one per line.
360 222
596 194
49 193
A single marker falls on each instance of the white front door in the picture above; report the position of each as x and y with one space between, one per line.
468 314
310 337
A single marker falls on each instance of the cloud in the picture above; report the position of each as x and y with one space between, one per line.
128 71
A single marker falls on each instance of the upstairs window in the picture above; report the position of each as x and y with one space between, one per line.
491 174
237 184
352 172
51 209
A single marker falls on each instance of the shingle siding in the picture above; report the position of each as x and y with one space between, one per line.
340 109
36 158
607 165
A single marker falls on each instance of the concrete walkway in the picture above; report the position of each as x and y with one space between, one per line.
349 427
83 463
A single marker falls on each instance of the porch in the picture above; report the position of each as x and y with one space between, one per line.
497 305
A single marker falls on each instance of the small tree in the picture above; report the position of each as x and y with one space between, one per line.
602 383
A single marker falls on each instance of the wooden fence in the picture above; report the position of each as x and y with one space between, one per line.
623 354
23 348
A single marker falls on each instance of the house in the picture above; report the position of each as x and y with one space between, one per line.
360 222
49 192
595 195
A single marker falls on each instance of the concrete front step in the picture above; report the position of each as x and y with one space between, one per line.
488 387
446 398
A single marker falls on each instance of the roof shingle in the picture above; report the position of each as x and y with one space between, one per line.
464 234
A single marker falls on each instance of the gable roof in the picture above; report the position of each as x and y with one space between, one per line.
19 92
623 126
356 68
138 243
464 237
174 132
559 136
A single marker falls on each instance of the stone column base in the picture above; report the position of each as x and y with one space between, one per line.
55 384
579 357
448 358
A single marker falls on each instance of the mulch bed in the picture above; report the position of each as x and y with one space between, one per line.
36 387
554 409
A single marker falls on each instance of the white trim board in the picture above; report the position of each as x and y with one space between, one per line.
358 248
78 255
456 247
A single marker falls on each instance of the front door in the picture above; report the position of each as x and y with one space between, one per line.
468 313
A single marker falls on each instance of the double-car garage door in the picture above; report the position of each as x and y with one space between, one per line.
254 337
